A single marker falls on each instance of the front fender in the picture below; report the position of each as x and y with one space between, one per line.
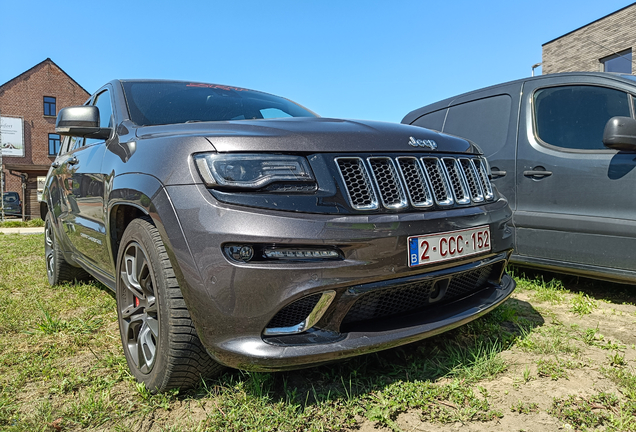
147 196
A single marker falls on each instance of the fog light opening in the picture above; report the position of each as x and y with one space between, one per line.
240 252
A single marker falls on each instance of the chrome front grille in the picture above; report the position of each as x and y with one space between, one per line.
420 182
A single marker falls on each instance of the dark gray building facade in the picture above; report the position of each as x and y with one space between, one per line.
603 45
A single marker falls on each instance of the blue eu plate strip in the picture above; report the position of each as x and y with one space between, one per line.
413 251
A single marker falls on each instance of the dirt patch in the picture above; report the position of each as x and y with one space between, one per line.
583 348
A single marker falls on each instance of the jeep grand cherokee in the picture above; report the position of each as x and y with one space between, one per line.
238 228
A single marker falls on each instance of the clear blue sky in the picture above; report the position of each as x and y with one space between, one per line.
352 59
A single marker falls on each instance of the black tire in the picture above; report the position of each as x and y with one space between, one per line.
57 269
160 342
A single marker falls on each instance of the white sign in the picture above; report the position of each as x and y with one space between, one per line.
12 136
41 182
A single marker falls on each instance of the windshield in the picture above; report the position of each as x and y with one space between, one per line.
157 103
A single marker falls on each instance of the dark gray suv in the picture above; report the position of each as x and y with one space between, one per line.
238 228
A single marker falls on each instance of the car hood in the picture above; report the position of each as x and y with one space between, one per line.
310 135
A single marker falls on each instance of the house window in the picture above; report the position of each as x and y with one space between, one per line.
619 62
49 106
54 144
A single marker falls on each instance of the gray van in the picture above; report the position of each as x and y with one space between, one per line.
573 197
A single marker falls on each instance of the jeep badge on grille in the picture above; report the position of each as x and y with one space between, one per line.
423 143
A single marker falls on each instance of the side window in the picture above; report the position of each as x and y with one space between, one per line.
483 121
102 101
574 117
75 143
434 120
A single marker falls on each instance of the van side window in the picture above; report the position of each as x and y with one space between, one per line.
483 121
574 117
434 120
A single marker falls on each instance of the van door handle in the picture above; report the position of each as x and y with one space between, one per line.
72 161
497 174
537 174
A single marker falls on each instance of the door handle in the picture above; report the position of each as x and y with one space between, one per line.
72 161
537 174
497 174
55 164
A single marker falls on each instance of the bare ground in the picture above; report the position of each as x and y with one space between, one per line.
584 377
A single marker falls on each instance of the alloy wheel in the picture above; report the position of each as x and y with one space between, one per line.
139 315
49 250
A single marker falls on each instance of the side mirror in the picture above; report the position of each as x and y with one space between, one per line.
81 121
620 134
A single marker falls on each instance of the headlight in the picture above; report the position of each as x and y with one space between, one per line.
251 171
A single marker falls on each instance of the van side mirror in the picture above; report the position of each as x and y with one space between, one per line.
620 134
81 121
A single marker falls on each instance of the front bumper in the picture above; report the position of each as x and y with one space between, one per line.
231 303
314 347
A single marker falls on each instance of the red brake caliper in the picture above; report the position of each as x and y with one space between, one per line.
136 301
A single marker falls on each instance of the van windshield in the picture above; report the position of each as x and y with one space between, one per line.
168 102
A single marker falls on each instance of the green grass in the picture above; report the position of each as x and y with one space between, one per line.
19 224
553 368
61 365
599 410
582 304
524 407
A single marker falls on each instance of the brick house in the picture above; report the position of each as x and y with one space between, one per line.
35 97
603 45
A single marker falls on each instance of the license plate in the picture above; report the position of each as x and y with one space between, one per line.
432 248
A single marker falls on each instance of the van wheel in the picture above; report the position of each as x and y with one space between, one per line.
57 269
160 342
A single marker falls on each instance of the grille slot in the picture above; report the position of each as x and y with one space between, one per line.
415 180
438 181
460 190
295 313
410 297
388 182
471 178
422 183
485 182
359 189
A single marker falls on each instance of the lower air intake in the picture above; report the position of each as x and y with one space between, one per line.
410 297
294 313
